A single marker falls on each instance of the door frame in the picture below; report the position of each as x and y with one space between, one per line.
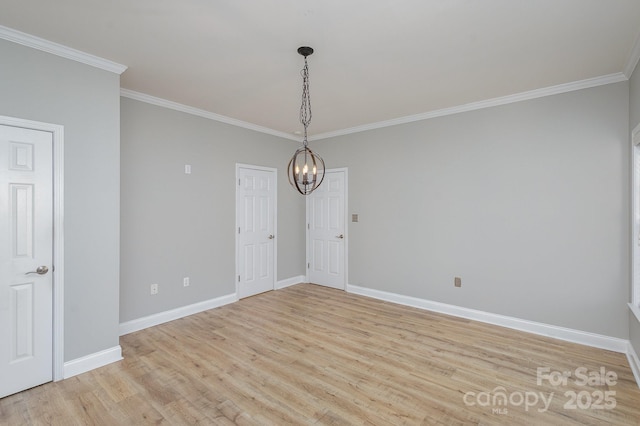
275 222
634 305
346 228
57 133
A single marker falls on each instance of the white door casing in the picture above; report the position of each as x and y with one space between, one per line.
256 229
26 245
327 234
635 225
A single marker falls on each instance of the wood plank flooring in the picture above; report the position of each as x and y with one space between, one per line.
314 355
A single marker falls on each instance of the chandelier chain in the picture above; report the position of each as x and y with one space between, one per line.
305 107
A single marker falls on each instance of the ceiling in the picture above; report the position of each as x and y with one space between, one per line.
374 60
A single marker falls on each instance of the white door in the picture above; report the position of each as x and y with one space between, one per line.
26 246
255 209
326 231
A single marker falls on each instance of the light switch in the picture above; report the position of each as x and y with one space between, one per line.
354 217
187 169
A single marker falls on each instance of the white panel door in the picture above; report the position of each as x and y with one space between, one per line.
26 245
326 237
256 231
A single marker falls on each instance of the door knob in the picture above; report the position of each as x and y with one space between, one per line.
271 237
40 271
341 236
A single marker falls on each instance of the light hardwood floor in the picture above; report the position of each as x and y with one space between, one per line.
314 355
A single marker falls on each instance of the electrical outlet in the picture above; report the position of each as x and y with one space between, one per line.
154 289
457 281
185 281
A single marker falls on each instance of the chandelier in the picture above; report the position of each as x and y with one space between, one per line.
306 168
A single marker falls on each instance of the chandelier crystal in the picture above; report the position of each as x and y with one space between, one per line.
306 168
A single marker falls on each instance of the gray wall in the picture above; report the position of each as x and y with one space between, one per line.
39 86
176 225
527 202
634 120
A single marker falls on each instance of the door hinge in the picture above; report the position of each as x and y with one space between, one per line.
238 229
238 278
238 182
308 226
308 265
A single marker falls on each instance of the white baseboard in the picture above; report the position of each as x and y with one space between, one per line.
576 336
89 362
290 281
634 362
174 314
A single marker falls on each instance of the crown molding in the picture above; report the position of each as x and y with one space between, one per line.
518 97
634 56
142 97
38 43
